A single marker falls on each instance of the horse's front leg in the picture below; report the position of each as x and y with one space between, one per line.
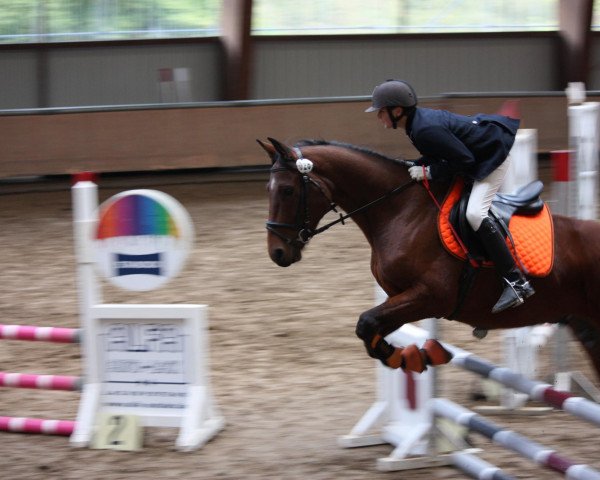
374 324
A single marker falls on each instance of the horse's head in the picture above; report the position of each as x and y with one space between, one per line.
297 201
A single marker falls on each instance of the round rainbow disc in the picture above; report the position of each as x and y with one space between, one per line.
142 239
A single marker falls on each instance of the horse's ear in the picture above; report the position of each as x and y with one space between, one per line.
283 150
267 147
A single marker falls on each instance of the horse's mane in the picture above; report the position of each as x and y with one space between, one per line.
356 148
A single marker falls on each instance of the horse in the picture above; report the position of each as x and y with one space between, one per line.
397 216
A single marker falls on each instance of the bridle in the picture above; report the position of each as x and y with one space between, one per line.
302 223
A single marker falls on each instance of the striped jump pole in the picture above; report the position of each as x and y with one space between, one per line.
41 334
42 382
36 425
539 391
511 440
478 468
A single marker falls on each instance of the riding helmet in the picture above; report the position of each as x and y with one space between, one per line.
393 93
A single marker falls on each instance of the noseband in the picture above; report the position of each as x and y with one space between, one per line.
302 225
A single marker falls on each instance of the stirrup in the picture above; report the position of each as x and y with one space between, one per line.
510 297
525 289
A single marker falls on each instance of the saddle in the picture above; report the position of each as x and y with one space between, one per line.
523 217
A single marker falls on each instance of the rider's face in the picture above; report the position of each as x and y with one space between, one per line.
384 118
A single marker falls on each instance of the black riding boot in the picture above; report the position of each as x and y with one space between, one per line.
516 286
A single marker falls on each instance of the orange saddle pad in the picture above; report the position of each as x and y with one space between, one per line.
533 236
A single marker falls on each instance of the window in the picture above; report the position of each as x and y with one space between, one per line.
23 21
293 17
596 17
26 21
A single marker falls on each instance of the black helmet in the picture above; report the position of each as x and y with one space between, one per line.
393 93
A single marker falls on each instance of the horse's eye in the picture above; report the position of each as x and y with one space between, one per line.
288 191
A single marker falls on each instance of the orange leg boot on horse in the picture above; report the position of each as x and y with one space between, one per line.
410 358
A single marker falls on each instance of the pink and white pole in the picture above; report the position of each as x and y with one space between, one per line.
85 198
40 334
36 425
41 382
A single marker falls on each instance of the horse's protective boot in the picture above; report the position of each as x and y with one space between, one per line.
516 286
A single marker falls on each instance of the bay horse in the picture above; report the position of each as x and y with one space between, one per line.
398 218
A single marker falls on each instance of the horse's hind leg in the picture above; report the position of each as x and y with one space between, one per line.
587 331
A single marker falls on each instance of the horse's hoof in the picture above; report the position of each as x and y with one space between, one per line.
436 353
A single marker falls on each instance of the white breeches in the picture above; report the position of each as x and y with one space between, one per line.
483 193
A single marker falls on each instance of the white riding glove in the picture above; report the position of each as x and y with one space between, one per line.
419 173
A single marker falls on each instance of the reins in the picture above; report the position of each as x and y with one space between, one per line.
391 193
305 233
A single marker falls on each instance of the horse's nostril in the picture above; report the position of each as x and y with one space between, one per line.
279 256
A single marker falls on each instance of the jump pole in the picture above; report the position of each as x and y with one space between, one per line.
41 382
539 391
511 440
37 425
478 468
40 334
85 202
35 381
396 420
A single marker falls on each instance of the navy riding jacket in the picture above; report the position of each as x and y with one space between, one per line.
473 146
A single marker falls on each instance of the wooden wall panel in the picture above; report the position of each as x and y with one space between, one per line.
222 135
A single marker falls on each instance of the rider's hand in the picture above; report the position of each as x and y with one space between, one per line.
419 173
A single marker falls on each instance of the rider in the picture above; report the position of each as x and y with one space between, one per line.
475 147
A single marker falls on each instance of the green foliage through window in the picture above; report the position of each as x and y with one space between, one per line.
23 21
297 17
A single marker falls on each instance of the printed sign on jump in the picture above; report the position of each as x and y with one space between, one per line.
145 364
142 240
